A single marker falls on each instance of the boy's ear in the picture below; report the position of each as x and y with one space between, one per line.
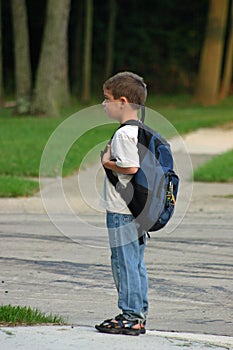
123 99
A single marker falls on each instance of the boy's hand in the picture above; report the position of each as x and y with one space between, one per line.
107 155
108 163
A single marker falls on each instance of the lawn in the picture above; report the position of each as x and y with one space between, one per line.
186 116
11 186
217 169
22 139
22 315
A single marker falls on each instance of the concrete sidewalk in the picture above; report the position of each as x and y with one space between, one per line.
84 338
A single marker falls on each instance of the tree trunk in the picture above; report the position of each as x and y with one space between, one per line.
211 57
76 45
22 56
87 52
1 72
228 66
110 38
52 88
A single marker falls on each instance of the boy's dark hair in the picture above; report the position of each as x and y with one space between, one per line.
129 85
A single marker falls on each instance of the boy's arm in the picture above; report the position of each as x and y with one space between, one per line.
111 164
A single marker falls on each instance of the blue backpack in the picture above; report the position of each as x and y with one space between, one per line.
151 193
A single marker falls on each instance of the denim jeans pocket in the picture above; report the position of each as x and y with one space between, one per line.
126 219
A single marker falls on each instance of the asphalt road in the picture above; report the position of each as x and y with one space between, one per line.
190 271
190 268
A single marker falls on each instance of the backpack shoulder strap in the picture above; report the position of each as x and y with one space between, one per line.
132 122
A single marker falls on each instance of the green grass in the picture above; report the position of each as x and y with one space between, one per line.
16 187
18 315
217 169
227 196
22 139
187 116
84 144
21 144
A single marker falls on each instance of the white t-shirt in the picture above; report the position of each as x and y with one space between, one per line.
124 150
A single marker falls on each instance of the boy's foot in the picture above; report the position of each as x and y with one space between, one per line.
120 325
143 327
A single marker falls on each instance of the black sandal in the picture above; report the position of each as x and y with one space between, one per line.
143 327
120 325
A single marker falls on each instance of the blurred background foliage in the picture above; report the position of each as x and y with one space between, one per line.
161 40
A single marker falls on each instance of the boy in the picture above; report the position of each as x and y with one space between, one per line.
124 94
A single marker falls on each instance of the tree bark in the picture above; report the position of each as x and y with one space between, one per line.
87 52
52 88
110 38
212 52
1 72
21 56
228 66
76 53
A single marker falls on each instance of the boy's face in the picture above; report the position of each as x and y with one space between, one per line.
112 106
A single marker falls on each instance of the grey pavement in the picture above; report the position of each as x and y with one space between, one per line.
190 272
85 338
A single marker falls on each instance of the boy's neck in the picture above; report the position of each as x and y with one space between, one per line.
125 118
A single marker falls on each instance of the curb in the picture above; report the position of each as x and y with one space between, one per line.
216 340
85 335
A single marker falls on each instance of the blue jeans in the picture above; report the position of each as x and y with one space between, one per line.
128 267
